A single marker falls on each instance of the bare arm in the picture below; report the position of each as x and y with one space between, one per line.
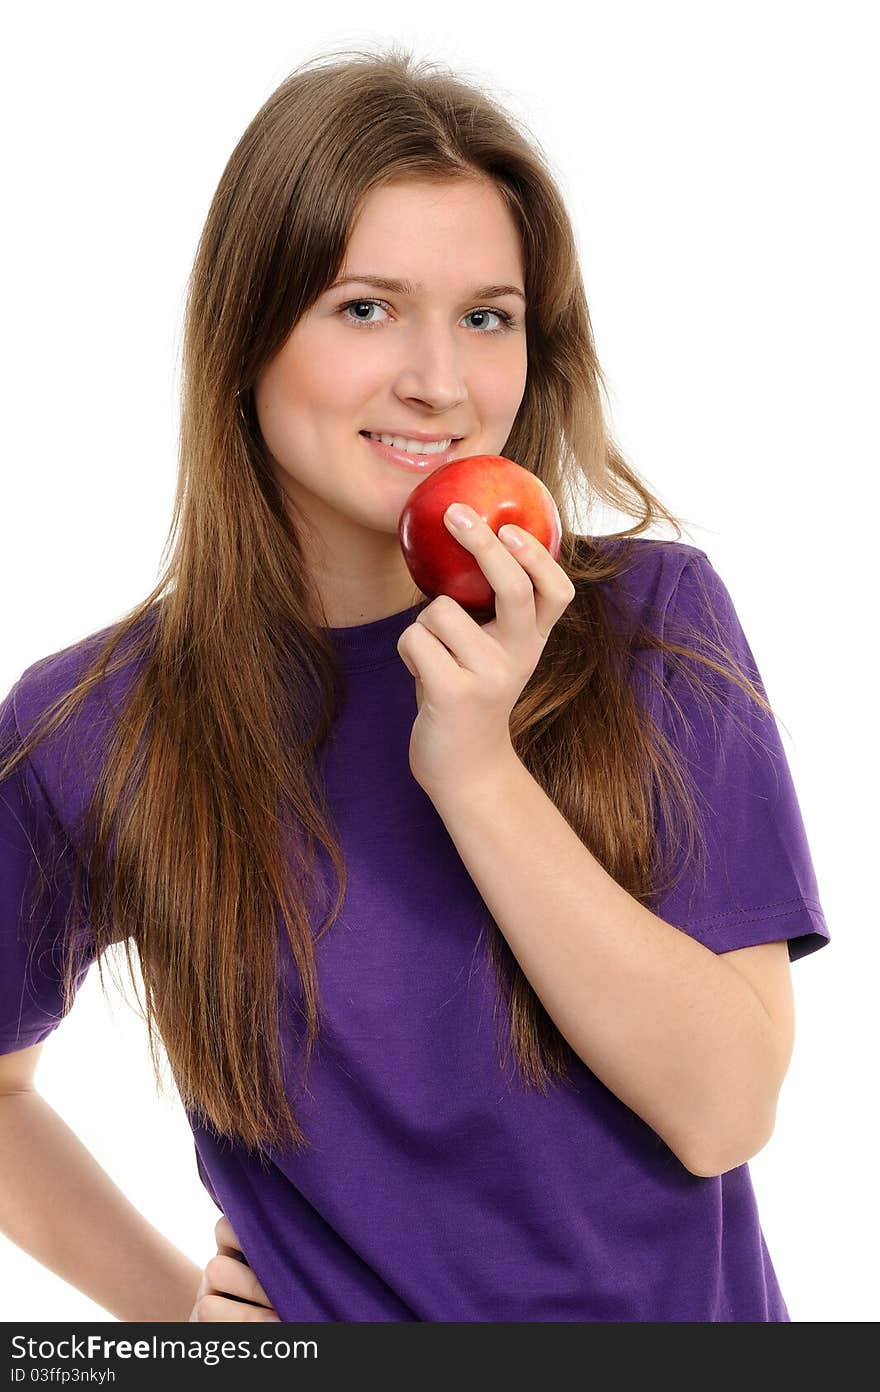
63 1209
678 1034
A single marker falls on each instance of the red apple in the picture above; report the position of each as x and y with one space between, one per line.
499 491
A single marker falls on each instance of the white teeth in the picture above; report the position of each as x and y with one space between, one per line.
412 446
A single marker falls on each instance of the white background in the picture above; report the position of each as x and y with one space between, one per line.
719 166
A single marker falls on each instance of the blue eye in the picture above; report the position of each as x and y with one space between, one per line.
507 320
358 304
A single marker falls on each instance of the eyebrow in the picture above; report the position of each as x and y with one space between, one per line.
406 287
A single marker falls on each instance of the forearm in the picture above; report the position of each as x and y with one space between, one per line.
680 1037
62 1208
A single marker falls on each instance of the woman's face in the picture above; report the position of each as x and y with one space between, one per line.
439 361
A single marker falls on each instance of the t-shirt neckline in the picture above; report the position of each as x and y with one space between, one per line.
375 643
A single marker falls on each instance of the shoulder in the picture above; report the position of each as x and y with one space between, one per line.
50 678
648 560
60 759
657 576
41 683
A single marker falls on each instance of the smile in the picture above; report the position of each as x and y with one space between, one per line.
421 455
412 446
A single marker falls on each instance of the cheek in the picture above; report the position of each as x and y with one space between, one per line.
502 386
334 378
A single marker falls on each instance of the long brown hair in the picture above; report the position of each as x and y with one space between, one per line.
206 810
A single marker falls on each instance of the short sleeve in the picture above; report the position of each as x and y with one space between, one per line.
34 851
759 883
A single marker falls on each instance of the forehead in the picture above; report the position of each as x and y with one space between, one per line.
423 232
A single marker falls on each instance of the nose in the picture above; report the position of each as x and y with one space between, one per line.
433 372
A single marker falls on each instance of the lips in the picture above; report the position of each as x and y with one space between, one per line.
416 439
419 463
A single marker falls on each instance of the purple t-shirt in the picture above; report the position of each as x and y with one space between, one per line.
437 1188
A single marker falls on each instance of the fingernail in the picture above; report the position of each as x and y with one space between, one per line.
509 536
460 515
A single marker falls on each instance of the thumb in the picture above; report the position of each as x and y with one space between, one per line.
408 665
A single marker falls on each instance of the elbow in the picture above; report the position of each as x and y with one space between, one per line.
708 1162
737 1120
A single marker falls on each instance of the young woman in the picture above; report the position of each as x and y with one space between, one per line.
468 944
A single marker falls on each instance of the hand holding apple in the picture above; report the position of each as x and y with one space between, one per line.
469 676
499 491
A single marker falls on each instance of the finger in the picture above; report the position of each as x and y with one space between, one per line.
224 1233
227 1242
429 656
552 588
457 630
216 1309
516 602
226 1276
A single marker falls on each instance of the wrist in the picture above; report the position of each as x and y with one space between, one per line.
494 779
